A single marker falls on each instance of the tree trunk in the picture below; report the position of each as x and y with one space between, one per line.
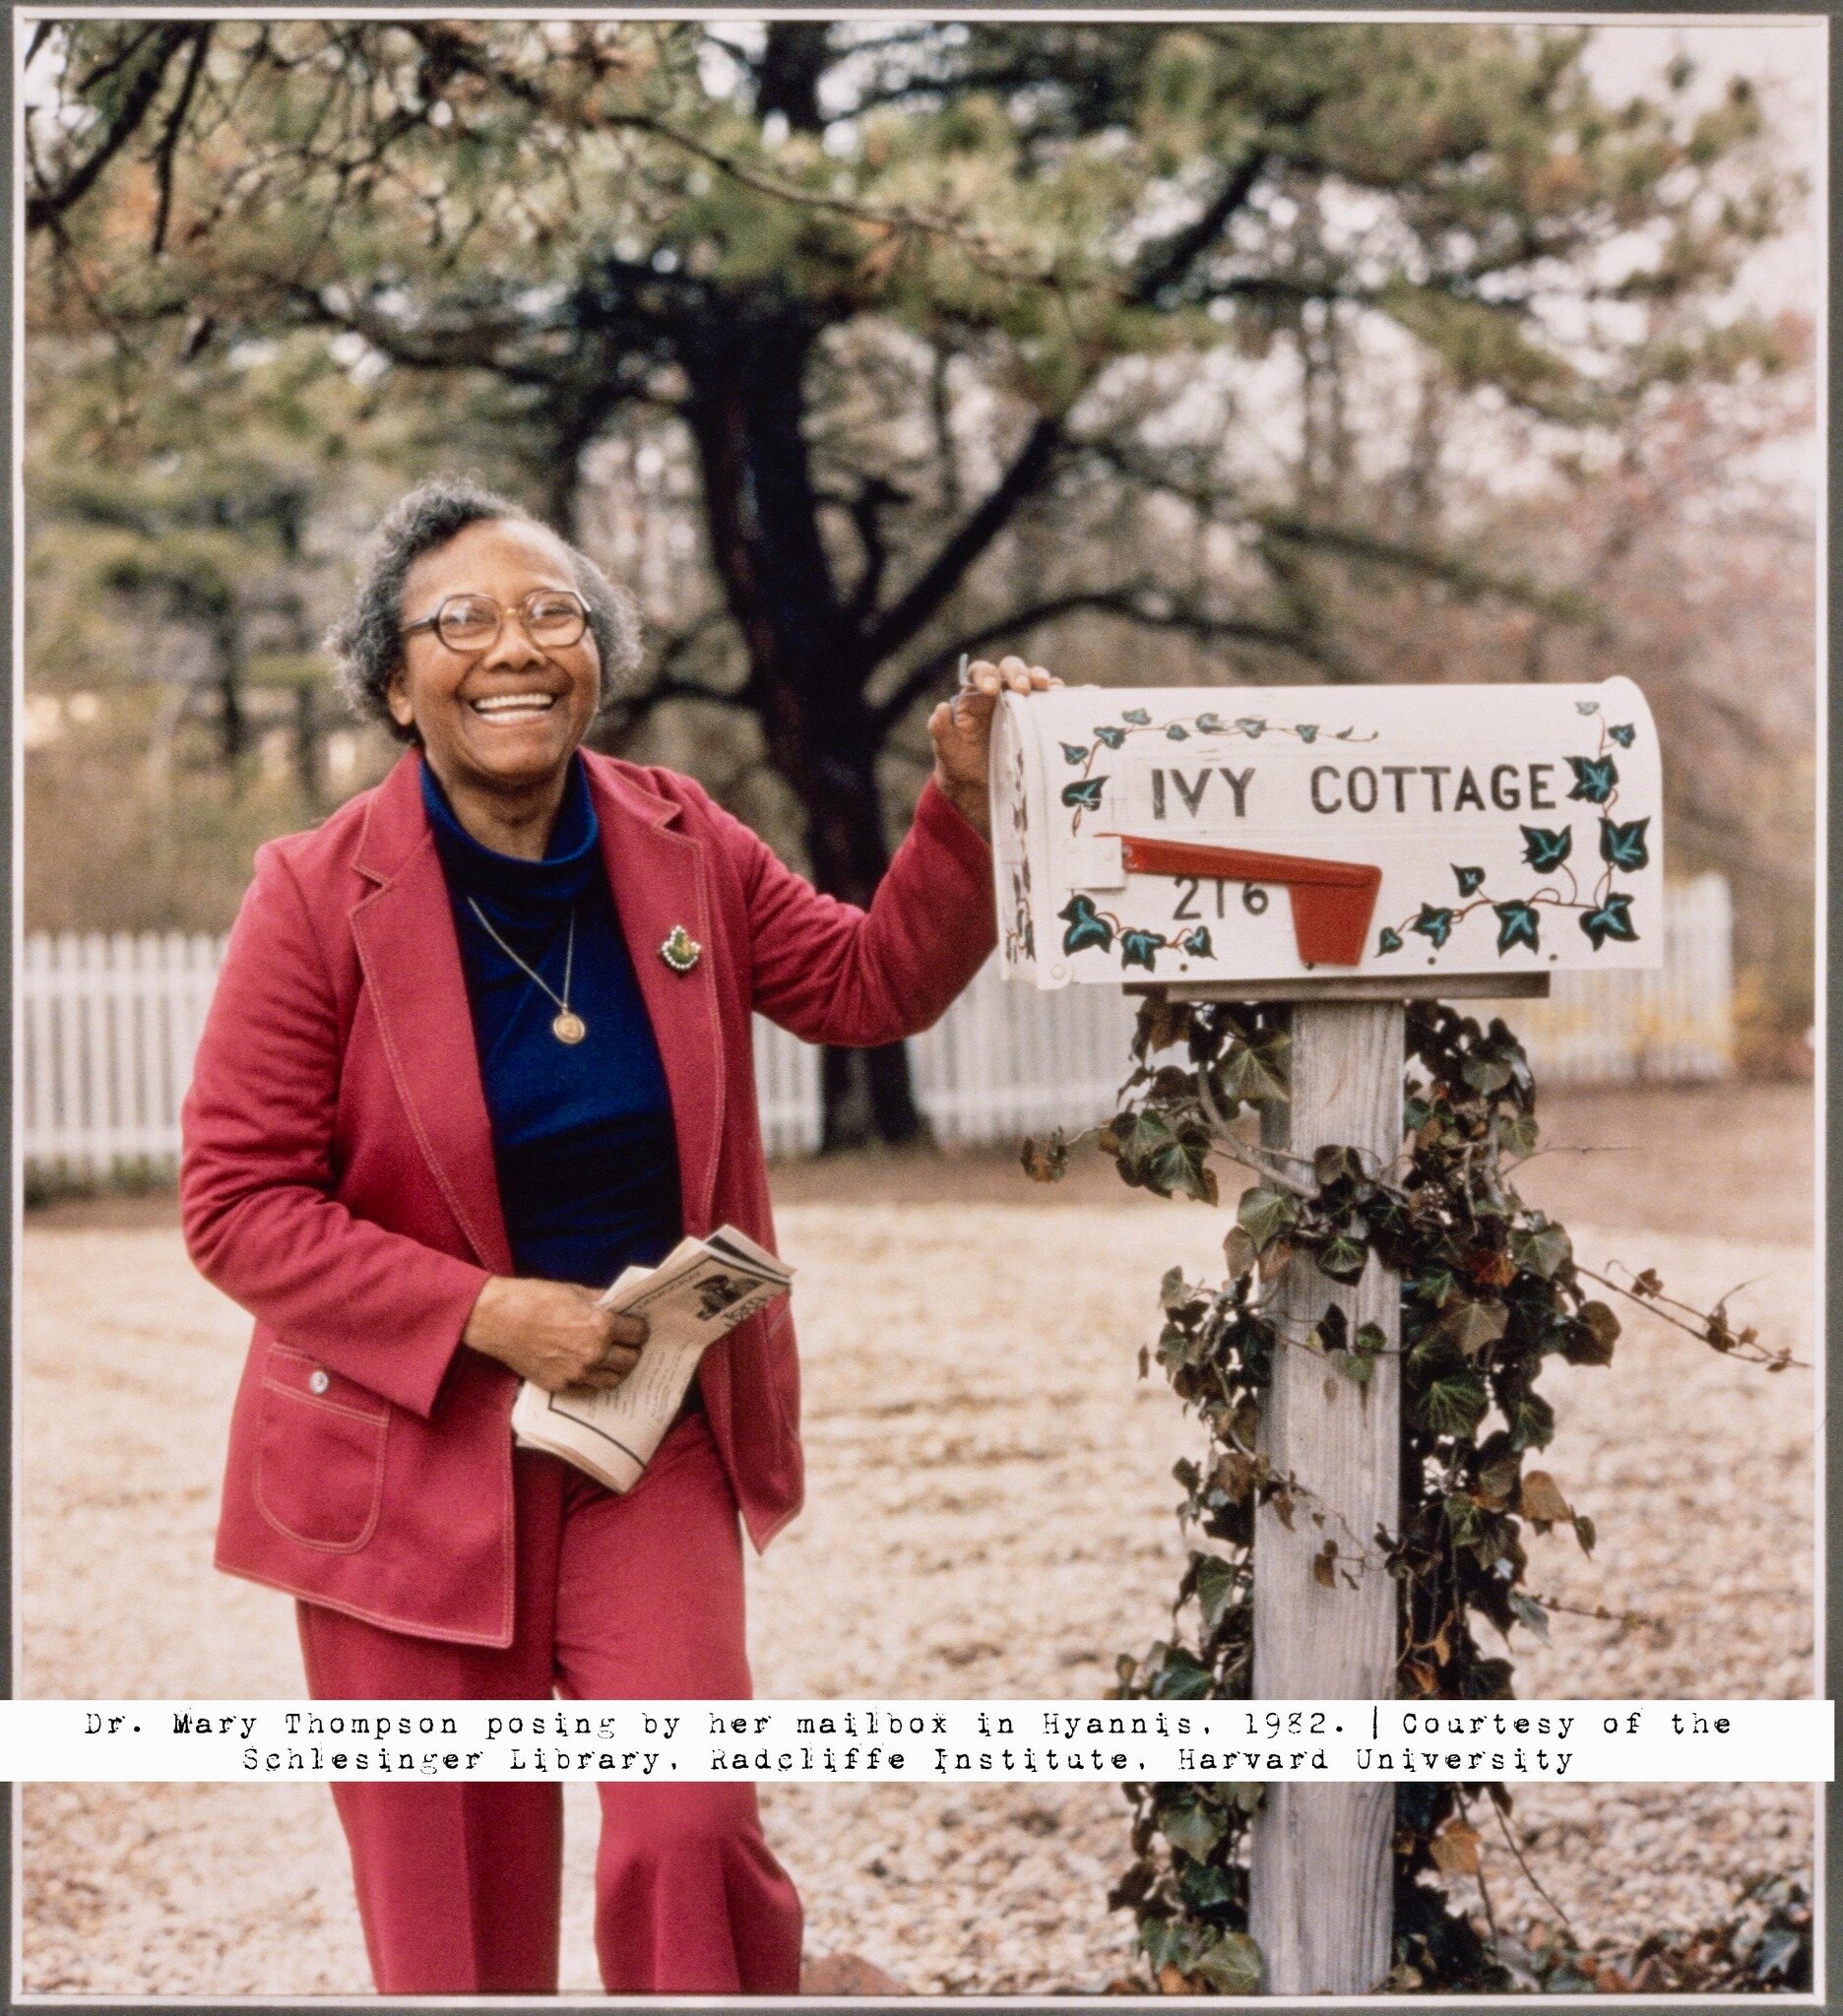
308 742
806 658
795 57
227 650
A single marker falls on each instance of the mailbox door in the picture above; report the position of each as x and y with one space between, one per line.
1018 836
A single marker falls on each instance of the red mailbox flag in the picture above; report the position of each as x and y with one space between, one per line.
1332 900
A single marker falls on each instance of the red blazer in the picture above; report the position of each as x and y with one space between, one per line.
338 1175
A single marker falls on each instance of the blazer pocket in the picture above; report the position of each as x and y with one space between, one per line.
320 1443
778 1322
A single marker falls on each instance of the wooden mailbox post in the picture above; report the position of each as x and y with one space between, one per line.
1347 851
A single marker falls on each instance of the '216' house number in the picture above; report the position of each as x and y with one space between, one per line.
1241 835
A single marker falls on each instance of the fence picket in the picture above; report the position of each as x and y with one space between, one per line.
108 1028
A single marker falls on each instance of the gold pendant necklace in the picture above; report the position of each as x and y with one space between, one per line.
566 1026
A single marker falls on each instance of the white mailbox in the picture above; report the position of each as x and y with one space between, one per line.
1227 834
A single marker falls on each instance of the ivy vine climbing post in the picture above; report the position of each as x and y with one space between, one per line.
1343 853
1325 1622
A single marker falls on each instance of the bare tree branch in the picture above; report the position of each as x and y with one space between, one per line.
944 573
48 203
1134 601
1171 260
169 137
1469 579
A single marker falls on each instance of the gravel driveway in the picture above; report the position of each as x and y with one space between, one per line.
990 1513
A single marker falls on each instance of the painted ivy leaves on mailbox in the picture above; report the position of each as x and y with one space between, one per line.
1235 834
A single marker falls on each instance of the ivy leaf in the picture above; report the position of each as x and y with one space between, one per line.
1584 1532
1072 754
1197 943
1205 1886
1140 947
1324 1565
1163 1939
1215 1585
1542 1252
1306 732
1252 727
1238 1252
1452 1406
1252 1071
1176 732
1517 1133
1045 1162
1112 737
1544 849
1624 847
1531 1613
1475 1326
1497 1481
1389 941
1232 1967
1490 1268
1191 1826
1139 718
1181 1679
1586 707
1433 923
1180 1169
1622 734
1539 1498
1264 1212
1486 1074
1209 725
1084 925
1613 919
1469 880
1532 1422
1594 778
1454 1849
1437 1287
1590 1337
1331 1332
1343 1257
1517 925
1236 1477
1085 791
1358 1366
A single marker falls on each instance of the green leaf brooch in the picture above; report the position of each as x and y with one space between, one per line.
681 950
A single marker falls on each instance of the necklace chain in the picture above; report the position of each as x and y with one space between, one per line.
567 1027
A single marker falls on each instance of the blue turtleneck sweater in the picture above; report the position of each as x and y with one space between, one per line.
582 1133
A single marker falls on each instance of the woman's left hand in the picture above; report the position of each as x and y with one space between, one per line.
961 732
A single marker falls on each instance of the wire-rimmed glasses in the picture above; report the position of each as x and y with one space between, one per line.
553 618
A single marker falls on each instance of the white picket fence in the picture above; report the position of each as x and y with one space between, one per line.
107 1028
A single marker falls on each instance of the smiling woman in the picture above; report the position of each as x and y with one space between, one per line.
420 652
479 1041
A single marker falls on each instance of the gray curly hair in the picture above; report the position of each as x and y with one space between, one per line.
366 644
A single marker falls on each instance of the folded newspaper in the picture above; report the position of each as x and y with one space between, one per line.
700 1290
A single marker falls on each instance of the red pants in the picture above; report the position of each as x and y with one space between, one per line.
619 1598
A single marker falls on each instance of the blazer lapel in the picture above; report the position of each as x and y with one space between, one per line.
660 880
412 958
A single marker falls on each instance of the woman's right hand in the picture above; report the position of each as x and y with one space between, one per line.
551 1333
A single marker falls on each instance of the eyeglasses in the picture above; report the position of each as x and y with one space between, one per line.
552 618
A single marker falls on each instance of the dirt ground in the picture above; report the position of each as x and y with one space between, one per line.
990 1513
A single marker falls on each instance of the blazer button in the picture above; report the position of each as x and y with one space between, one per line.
318 1382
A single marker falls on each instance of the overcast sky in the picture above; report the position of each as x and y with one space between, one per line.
1786 57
